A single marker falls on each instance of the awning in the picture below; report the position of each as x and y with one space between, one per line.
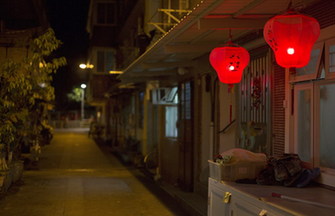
205 27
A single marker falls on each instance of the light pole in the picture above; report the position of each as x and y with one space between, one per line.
83 86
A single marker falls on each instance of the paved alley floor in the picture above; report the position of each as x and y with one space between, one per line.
76 178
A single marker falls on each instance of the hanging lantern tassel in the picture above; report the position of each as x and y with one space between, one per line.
229 62
291 36
230 92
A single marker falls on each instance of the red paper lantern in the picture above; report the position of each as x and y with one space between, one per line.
291 37
229 62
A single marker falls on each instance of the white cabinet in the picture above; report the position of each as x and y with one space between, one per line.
219 199
232 199
224 200
228 201
247 207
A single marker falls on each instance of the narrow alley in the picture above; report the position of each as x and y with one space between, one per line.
77 178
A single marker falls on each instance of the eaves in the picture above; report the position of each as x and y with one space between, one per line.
205 27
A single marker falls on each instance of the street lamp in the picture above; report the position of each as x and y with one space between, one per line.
83 86
84 66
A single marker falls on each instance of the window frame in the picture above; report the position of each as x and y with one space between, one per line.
328 43
314 75
327 174
112 51
314 81
96 22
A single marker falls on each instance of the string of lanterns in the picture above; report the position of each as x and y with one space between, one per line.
291 36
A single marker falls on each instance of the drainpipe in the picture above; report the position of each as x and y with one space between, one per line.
287 105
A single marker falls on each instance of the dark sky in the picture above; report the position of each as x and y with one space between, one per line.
68 19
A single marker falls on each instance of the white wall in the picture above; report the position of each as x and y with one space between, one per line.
227 140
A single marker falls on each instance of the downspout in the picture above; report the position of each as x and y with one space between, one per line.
287 103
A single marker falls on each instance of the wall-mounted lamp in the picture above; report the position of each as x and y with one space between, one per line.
115 72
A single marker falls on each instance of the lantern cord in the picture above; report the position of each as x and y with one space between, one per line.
230 35
230 92
289 7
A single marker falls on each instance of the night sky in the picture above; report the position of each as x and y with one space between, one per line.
68 19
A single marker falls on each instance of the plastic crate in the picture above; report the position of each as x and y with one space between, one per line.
232 172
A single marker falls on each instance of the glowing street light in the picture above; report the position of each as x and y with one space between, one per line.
84 66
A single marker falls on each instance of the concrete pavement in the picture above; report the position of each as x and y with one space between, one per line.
77 178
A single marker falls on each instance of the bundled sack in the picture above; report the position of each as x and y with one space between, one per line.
237 155
287 170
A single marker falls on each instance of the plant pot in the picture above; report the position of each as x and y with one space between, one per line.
7 180
17 170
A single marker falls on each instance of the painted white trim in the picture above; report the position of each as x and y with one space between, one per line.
328 43
297 78
327 179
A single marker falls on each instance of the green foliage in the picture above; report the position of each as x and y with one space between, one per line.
25 88
75 95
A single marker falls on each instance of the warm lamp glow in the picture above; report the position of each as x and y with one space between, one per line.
82 66
115 72
291 37
42 85
83 86
229 62
290 51
231 68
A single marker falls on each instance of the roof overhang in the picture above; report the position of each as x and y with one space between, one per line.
205 27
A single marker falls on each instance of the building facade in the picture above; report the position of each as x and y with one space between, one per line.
170 107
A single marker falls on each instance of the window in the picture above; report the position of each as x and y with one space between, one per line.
186 100
310 71
165 95
314 119
105 61
326 115
314 116
303 121
330 58
171 117
106 13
